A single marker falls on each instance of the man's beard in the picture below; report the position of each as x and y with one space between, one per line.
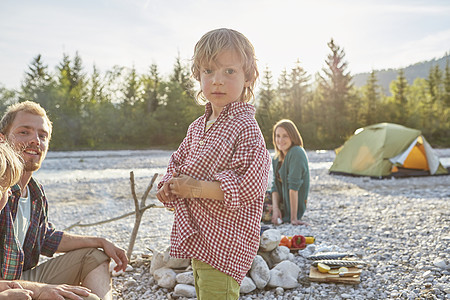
31 166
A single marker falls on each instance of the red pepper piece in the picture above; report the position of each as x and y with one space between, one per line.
298 241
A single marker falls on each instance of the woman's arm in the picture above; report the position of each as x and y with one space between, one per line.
293 202
276 212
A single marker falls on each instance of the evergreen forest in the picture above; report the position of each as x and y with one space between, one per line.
121 109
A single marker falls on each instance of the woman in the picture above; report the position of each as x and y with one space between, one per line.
290 185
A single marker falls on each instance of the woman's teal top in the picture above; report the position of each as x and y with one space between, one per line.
293 175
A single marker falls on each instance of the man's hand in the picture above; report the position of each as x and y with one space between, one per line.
185 186
117 254
61 292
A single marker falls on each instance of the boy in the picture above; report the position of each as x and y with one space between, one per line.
217 178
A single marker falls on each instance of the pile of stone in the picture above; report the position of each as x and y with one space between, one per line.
273 267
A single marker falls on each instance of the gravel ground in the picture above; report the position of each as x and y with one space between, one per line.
400 226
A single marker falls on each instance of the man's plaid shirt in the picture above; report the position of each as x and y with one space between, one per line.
41 237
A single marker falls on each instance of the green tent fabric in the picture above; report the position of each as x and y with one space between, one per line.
375 149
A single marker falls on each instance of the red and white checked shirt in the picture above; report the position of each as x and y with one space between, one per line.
224 234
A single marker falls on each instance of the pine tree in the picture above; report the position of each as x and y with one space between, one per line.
131 92
37 84
71 93
371 97
336 85
447 85
298 93
181 75
7 97
399 90
151 85
283 91
266 105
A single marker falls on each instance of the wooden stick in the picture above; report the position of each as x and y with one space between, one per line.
139 213
77 224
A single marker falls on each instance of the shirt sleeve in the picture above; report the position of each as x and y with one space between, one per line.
247 179
298 164
51 239
176 159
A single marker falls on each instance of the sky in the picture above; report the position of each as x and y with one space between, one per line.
375 35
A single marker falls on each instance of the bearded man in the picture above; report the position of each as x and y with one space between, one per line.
25 233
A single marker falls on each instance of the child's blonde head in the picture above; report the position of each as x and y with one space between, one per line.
212 44
11 166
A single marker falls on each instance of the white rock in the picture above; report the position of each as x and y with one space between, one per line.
260 272
175 263
112 265
185 290
131 282
247 285
118 273
267 258
270 239
165 277
427 274
185 278
279 291
279 254
129 268
440 263
291 257
157 262
284 275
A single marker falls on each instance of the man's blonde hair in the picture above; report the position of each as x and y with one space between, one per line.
212 44
11 166
28 107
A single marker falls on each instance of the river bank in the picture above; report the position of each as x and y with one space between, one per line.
400 226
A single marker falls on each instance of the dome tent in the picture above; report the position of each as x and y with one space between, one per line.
385 150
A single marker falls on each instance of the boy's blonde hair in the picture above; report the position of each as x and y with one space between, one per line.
292 132
212 44
28 107
11 166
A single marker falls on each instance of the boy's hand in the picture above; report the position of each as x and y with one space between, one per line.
7 284
16 294
12 290
164 194
185 186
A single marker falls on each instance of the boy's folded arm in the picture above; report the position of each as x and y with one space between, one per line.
212 190
187 187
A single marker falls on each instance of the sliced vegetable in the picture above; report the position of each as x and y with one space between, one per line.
333 272
323 268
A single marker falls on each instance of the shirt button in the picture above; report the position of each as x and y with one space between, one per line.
201 143
231 117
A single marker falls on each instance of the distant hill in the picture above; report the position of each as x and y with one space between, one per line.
418 70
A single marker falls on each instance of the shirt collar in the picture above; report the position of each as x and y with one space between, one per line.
232 110
15 189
